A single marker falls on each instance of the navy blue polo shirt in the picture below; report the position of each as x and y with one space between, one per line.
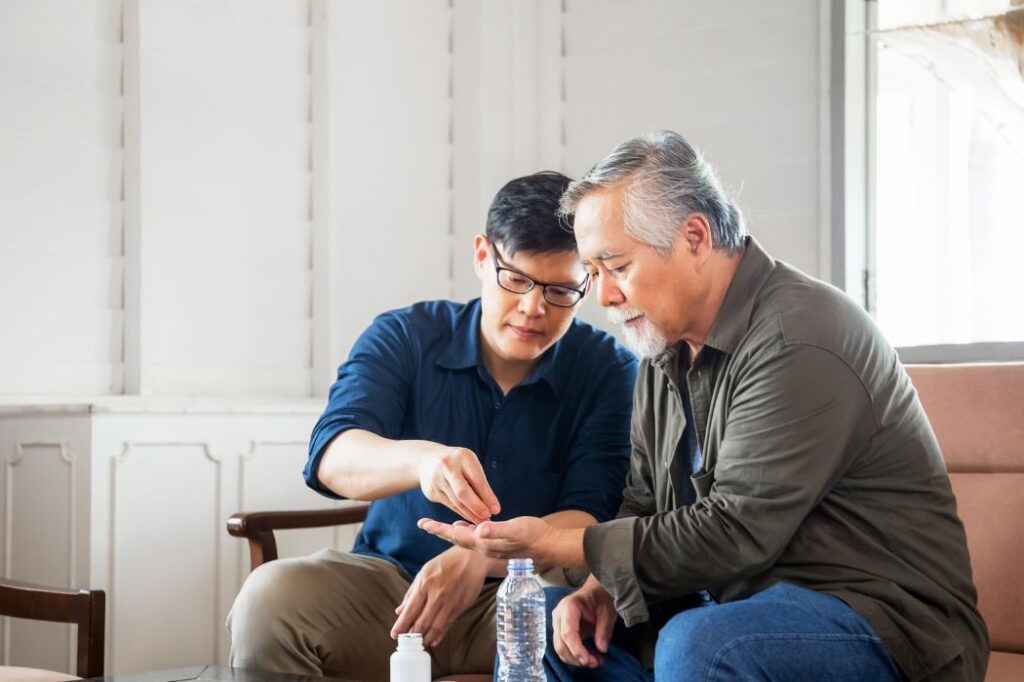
559 440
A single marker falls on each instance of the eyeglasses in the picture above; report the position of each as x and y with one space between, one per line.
518 283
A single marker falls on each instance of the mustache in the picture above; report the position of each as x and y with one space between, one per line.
621 314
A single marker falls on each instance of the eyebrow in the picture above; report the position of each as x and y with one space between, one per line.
603 255
508 266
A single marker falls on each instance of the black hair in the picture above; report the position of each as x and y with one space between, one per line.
524 215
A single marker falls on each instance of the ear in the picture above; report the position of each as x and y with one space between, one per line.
695 235
481 254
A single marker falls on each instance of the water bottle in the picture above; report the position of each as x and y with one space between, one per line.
522 633
410 663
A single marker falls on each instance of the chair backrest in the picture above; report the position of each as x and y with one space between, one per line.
84 608
977 412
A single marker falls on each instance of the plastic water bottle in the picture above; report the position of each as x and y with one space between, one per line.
410 663
522 634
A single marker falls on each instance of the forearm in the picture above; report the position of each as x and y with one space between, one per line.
569 518
361 465
565 548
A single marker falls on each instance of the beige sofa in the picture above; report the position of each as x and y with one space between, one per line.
977 412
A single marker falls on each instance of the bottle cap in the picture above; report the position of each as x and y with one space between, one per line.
410 640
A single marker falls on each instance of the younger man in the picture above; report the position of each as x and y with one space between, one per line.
501 407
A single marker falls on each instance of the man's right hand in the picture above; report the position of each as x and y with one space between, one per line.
590 611
453 477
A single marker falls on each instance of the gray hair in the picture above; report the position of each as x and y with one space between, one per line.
669 180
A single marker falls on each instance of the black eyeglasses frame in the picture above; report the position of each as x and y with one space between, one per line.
499 266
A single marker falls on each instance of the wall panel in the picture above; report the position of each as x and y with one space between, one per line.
224 137
389 115
507 110
39 517
61 171
172 585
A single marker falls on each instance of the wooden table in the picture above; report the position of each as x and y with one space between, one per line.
212 673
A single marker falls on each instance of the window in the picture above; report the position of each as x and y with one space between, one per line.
943 228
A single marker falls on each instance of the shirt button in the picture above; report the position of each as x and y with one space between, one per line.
494 466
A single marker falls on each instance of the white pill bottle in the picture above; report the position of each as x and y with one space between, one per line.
410 663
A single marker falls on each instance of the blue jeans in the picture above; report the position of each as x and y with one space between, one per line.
784 633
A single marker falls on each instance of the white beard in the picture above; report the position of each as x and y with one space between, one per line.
642 337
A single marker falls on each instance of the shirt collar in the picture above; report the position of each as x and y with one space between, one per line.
733 318
664 357
463 352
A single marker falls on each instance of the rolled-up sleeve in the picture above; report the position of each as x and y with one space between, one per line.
598 456
794 424
370 393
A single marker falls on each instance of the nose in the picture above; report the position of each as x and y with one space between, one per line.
532 302
608 292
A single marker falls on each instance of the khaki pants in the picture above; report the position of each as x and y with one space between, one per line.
331 614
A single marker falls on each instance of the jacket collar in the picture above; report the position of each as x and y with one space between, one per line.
733 318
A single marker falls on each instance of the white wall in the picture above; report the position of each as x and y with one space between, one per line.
222 128
742 81
388 114
739 80
507 110
291 168
61 203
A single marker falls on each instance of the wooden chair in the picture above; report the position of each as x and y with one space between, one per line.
258 529
84 608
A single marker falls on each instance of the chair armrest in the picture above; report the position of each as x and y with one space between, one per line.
258 527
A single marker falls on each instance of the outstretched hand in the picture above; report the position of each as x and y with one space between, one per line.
522 537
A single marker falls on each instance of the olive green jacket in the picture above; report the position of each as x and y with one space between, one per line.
819 469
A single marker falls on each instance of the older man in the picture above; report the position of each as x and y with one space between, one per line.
787 515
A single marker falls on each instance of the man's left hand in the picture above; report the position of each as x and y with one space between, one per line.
441 592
